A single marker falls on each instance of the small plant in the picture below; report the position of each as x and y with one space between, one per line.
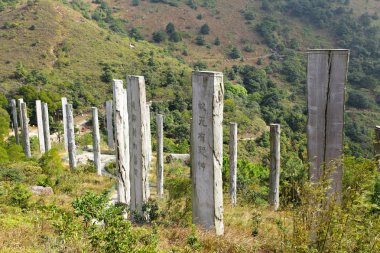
205 29
200 40
256 220
193 240
20 195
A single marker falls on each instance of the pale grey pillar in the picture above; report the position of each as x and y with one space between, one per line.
160 155
19 102
45 120
233 162
326 78
377 143
149 134
25 130
15 120
96 140
71 137
274 174
122 170
138 142
64 119
40 126
109 110
207 150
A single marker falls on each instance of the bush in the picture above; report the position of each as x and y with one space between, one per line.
358 100
235 53
200 40
159 36
11 174
205 29
20 195
217 41
51 163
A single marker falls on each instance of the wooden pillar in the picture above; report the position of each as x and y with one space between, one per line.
207 150
326 79
122 168
274 175
160 156
40 126
376 144
149 134
71 137
25 131
233 162
15 120
138 142
64 119
96 140
19 102
45 120
109 110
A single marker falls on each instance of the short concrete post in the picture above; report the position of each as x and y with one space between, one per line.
109 111
64 119
122 170
25 130
15 120
326 79
274 175
160 156
138 142
45 120
71 137
19 102
207 150
96 140
233 162
40 126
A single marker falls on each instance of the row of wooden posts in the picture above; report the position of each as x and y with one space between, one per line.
128 128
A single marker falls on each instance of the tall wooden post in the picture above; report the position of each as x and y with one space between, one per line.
109 124
274 175
19 102
25 130
138 142
64 119
326 79
207 150
45 120
40 126
71 137
15 120
122 168
96 140
233 162
160 156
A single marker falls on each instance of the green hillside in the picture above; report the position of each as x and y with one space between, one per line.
74 48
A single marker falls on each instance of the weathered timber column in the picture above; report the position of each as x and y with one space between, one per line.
207 150
326 78
138 142
376 144
274 175
40 126
19 102
126 140
64 119
160 156
45 120
122 170
96 140
149 134
25 131
111 142
15 120
71 136
233 162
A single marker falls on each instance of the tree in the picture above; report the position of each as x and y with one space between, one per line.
200 40
205 29
235 53
175 37
159 36
170 28
217 41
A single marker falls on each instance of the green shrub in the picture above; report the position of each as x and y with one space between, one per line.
20 195
205 29
51 163
11 174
